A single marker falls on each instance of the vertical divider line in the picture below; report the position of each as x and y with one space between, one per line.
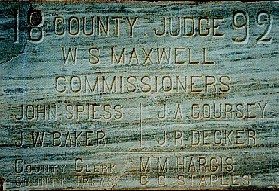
140 125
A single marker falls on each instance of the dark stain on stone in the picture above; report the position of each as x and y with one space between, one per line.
2 180
34 17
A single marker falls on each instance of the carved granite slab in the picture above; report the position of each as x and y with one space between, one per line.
139 95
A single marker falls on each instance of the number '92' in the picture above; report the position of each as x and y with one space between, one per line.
241 23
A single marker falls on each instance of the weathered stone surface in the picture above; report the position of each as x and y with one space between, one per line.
127 104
